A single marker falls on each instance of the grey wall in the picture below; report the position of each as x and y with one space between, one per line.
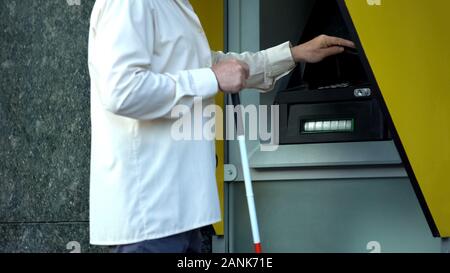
44 125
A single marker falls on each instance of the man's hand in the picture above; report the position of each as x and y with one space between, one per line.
320 48
231 75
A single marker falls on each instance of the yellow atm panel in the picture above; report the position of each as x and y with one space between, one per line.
406 45
211 14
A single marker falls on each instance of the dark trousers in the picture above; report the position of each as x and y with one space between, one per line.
187 242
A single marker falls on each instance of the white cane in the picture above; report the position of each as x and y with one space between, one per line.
239 120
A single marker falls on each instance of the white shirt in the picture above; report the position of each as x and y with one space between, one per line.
145 57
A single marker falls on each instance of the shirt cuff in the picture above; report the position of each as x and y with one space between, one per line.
280 59
205 82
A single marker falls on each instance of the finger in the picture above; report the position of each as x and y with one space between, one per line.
246 69
330 51
336 41
243 81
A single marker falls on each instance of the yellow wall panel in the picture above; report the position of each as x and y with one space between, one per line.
407 45
211 14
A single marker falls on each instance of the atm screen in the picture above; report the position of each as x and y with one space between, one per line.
330 101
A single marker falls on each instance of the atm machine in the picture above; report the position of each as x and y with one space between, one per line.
364 136
334 100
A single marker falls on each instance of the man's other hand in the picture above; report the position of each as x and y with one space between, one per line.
320 48
231 75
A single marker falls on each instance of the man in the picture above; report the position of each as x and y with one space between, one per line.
150 193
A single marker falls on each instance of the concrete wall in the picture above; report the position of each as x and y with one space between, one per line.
44 125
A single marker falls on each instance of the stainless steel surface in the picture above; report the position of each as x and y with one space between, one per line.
445 245
332 216
327 154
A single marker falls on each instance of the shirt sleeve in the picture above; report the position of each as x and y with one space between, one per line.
122 60
266 67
